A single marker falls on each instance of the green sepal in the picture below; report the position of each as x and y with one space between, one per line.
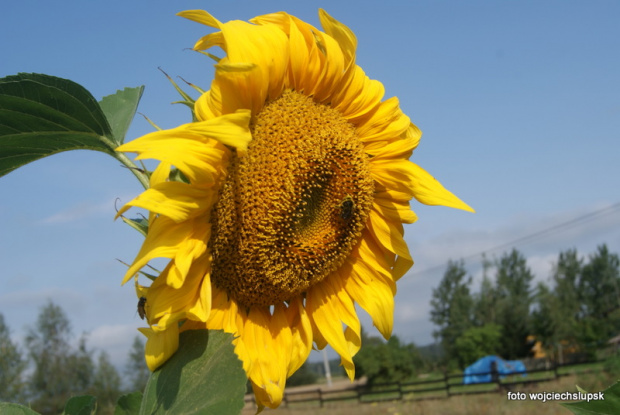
189 105
217 59
81 405
204 376
177 175
187 100
149 276
140 224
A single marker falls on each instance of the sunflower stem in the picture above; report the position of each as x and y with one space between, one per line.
140 174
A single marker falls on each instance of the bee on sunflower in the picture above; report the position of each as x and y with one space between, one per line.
297 184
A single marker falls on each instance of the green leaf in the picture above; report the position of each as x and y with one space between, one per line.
81 405
609 406
15 409
128 404
120 109
203 377
41 115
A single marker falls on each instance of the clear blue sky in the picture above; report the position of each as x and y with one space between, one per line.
519 103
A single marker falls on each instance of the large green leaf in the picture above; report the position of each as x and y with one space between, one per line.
128 404
203 377
80 405
15 409
41 115
120 109
609 405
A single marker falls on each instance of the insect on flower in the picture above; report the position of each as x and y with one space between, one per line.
141 305
347 207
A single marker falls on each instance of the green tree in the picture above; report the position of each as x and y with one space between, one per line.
106 384
12 367
513 281
599 289
545 316
452 307
485 303
566 275
136 370
387 362
59 373
477 342
303 376
82 366
555 319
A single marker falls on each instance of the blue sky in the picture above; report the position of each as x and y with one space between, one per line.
519 103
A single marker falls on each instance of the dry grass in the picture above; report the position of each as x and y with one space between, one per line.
490 403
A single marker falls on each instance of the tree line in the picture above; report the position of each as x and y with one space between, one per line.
577 309
51 370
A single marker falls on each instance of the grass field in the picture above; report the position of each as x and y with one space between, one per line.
495 402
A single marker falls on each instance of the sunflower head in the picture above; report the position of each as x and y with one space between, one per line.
291 210
298 184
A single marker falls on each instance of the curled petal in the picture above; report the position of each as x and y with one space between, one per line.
160 345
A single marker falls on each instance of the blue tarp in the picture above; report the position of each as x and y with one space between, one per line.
479 372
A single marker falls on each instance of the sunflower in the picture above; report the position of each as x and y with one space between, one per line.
295 185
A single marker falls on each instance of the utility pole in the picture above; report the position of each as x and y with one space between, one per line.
328 373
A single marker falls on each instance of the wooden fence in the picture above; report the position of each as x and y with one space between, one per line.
441 388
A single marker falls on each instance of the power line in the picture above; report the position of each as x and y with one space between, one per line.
537 235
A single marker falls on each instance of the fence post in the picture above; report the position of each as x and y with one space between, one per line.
320 397
445 379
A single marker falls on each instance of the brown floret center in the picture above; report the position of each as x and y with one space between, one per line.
294 206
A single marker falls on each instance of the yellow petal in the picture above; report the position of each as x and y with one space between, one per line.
388 234
384 125
329 306
226 314
175 200
370 290
201 308
359 96
299 58
429 191
332 68
342 34
163 241
301 331
401 266
160 345
169 305
253 70
187 255
200 16
264 337
197 149
393 210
